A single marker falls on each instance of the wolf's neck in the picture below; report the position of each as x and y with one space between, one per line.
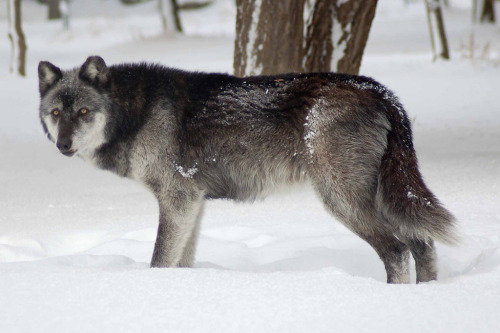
113 156
126 119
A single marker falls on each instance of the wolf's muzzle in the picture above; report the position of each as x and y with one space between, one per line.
64 146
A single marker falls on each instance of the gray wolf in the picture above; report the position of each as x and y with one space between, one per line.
189 137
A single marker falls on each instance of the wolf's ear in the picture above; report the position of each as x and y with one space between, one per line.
94 71
48 75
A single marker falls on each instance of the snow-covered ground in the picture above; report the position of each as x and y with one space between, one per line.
75 242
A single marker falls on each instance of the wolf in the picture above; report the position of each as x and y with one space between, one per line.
190 136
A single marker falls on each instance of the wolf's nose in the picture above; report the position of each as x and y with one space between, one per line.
64 144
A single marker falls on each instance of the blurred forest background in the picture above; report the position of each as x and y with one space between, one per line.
270 37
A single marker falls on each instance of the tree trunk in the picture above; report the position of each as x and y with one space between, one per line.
54 10
435 15
65 13
16 36
337 32
177 18
169 10
318 46
488 12
271 37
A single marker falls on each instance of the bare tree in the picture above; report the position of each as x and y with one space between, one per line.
436 27
16 36
64 6
190 5
54 9
271 36
169 10
488 12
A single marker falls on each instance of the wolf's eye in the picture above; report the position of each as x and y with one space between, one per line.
55 112
84 111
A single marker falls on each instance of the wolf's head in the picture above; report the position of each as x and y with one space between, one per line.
74 106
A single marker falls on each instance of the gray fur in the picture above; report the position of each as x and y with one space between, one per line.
189 137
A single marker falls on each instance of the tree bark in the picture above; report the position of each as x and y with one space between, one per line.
16 36
318 48
269 37
355 18
337 32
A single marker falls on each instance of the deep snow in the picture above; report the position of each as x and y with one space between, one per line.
75 242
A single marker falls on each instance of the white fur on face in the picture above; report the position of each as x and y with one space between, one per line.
90 136
86 139
51 125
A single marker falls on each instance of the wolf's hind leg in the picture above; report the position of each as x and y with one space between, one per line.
394 254
188 255
348 194
356 211
425 259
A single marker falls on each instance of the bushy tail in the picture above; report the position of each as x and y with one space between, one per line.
402 196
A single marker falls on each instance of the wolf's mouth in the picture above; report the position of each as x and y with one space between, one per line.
68 153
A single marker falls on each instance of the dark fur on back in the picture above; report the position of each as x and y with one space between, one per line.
191 136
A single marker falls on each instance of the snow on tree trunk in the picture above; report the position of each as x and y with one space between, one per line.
170 16
337 32
16 36
318 41
269 37
437 30
352 22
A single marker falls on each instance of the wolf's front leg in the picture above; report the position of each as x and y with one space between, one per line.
178 215
187 259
